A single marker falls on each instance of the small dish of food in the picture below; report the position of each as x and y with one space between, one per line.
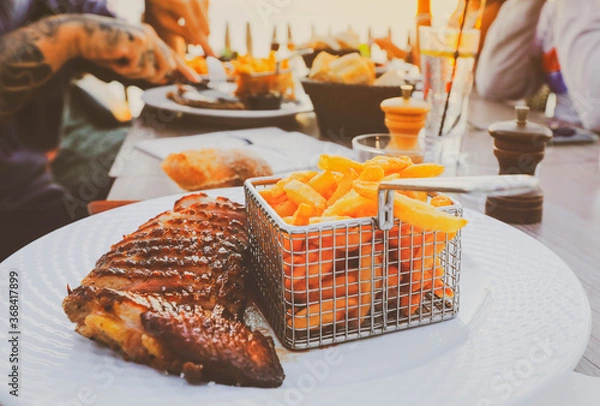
163 98
199 65
263 88
263 83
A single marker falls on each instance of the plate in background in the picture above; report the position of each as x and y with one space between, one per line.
157 98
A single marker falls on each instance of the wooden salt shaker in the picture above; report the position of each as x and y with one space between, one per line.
519 147
405 117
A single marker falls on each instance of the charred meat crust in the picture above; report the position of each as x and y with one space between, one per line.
215 348
169 295
186 339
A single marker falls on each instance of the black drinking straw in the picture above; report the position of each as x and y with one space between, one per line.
456 55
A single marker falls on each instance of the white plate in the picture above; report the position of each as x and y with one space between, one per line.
157 97
524 320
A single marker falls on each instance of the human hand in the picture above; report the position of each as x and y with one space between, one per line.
133 51
392 51
165 15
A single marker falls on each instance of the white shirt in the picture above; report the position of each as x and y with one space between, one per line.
517 47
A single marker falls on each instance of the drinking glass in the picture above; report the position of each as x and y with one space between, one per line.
447 84
422 150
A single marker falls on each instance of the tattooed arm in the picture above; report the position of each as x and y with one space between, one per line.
31 55
28 58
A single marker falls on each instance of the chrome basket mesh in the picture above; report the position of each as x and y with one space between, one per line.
333 282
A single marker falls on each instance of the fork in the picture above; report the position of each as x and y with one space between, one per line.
217 76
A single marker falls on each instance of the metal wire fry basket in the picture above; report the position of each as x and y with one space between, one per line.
328 283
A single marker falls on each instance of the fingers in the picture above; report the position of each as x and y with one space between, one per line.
168 23
147 63
165 63
166 16
206 46
192 29
196 29
142 68
185 70
137 52
148 58
201 13
174 63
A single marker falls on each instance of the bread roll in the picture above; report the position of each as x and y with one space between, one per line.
350 69
213 168
320 67
353 69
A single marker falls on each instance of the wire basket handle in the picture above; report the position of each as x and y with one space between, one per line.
500 185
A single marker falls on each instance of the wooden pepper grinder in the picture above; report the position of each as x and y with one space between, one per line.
519 147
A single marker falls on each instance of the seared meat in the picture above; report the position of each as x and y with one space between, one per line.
169 294
198 247
204 99
152 330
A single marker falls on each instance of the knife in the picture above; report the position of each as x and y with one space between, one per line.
501 185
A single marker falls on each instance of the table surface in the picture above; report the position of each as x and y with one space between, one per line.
569 174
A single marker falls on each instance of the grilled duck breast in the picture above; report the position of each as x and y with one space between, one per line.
169 295
157 330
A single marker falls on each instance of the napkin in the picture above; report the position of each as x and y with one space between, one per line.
285 151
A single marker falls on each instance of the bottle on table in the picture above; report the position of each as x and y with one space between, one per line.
249 40
423 19
291 46
274 43
227 53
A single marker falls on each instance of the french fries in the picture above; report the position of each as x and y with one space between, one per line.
313 315
344 186
302 215
270 82
391 164
353 205
299 193
285 208
325 183
338 164
426 170
426 216
441 200
413 211
335 274
372 173
342 285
